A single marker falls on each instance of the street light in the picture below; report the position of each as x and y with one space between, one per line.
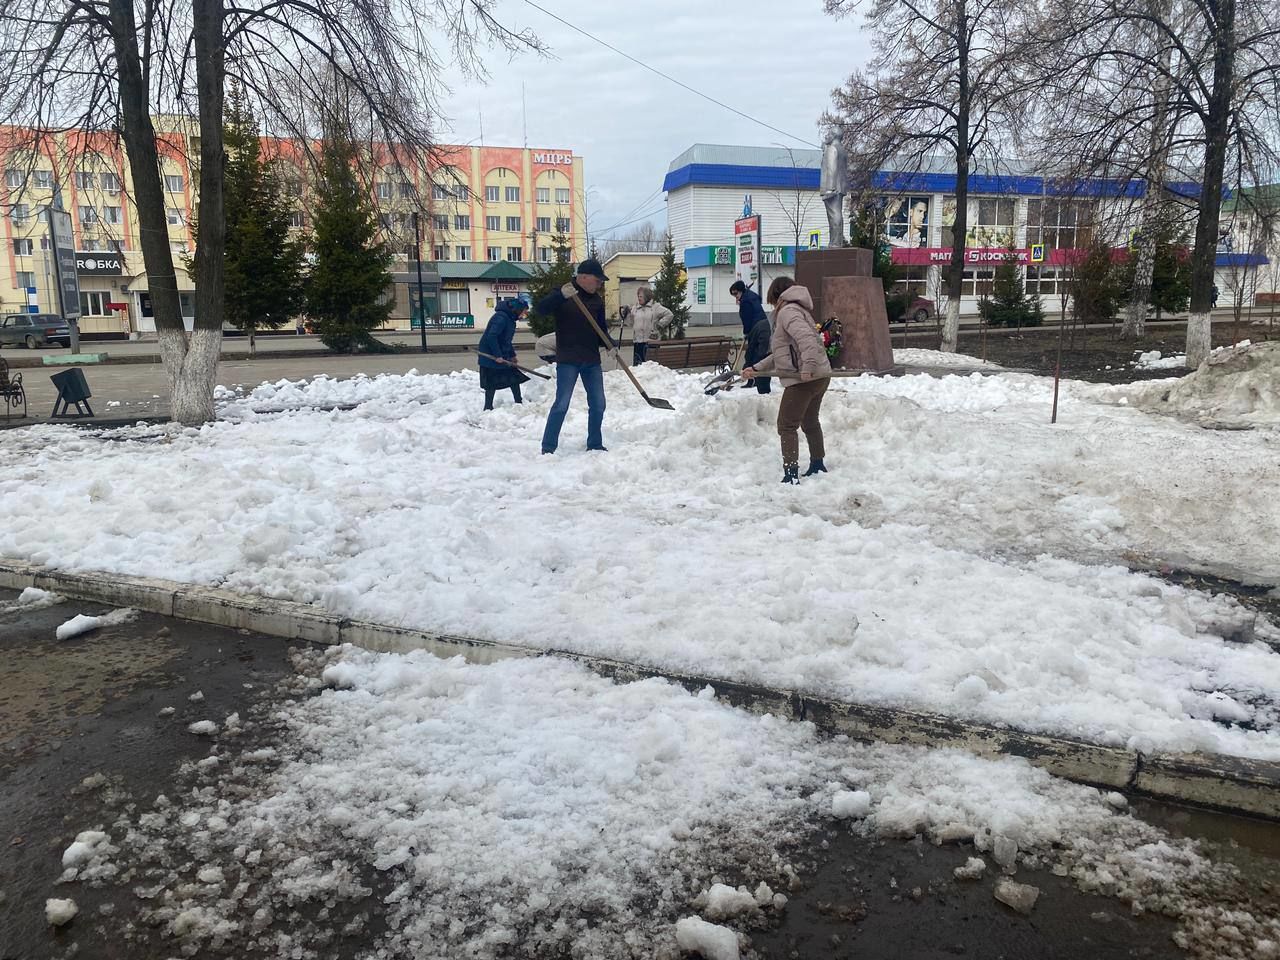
422 303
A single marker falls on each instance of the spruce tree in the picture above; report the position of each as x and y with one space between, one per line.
1008 305
263 261
349 288
546 279
669 290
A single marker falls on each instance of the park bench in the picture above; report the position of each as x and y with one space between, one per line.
694 352
12 390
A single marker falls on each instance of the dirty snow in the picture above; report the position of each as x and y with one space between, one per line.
1236 386
962 556
917 357
60 912
709 940
83 623
490 806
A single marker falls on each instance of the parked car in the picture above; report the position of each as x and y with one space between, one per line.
33 330
920 310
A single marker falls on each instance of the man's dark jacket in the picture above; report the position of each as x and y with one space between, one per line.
576 342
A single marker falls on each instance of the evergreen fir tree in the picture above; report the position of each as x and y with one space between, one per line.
1008 305
1097 286
669 290
348 291
1170 275
546 279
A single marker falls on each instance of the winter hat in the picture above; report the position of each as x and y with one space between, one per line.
592 266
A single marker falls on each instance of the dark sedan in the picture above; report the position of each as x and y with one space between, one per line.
33 330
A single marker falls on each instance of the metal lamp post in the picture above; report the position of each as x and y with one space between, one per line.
422 303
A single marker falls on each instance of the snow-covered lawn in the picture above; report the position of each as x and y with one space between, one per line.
531 808
962 556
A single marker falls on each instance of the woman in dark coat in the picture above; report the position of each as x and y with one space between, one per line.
497 341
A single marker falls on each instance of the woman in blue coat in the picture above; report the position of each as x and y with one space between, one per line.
497 342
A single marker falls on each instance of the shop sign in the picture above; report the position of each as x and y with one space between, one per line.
453 284
746 233
702 289
723 256
64 258
506 288
562 159
92 263
772 255
456 320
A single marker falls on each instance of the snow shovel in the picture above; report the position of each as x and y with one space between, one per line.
651 401
512 363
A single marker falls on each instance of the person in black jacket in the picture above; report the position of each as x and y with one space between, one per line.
499 341
755 327
578 352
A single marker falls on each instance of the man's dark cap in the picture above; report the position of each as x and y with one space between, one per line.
592 266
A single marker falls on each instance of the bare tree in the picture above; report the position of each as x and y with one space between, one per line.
109 65
940 89
645 238
796 200
1167 91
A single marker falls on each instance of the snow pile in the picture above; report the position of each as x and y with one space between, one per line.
850 803
88 858
532 804
203 728
1235 386
979 551
916 357
1152 360
83 623
708 940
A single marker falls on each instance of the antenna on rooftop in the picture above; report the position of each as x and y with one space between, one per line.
524 116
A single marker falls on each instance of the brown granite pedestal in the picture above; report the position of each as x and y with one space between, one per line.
841 284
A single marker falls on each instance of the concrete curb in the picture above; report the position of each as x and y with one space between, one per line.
1229 784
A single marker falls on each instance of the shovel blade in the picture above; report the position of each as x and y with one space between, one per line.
659 403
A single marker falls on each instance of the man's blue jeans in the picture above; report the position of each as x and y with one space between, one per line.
567 375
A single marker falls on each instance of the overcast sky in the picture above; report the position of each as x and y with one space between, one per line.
776 61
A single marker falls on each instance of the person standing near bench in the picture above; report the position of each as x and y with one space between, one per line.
578 352
796 354
751 313
648 320
499 341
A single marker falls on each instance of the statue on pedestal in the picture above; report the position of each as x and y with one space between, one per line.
833 184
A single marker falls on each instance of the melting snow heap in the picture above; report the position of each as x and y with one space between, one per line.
1238 386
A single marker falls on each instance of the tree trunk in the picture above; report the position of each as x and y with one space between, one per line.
148 193
1149 220
955 273
1204 256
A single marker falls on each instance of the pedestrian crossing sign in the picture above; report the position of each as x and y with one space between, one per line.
1037 253
815 239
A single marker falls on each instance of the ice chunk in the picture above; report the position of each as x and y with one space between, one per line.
724 901
764 894
203 728
848 804
60 912
1020 896
710 940
80 623
973 869
1116 801
82 851
1005 851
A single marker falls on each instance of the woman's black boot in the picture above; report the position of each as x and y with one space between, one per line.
815 466
791 473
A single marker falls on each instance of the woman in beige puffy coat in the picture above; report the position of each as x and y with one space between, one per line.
798 360
649 319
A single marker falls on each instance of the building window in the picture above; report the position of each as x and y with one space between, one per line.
544 254
542 224
440 221
543 194
110 182
173 182
990 222
440 252
19 214
491 194
440 192
562 224
515 254
1045 281
113 215
293 188
513 224
493 223
1059 224
383 189
455 301
977 283
25 279
84 180
23 247
462 193
462 221
406 189
513 194
14 179
462 253
118 246
44 179
562 195
88 215
493 254
913 279
92 246
176 217
93 303
296 219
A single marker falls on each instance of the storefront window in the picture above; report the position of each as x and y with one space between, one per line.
1059 224
990 222
977 283
1045 281
914 279
455 301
